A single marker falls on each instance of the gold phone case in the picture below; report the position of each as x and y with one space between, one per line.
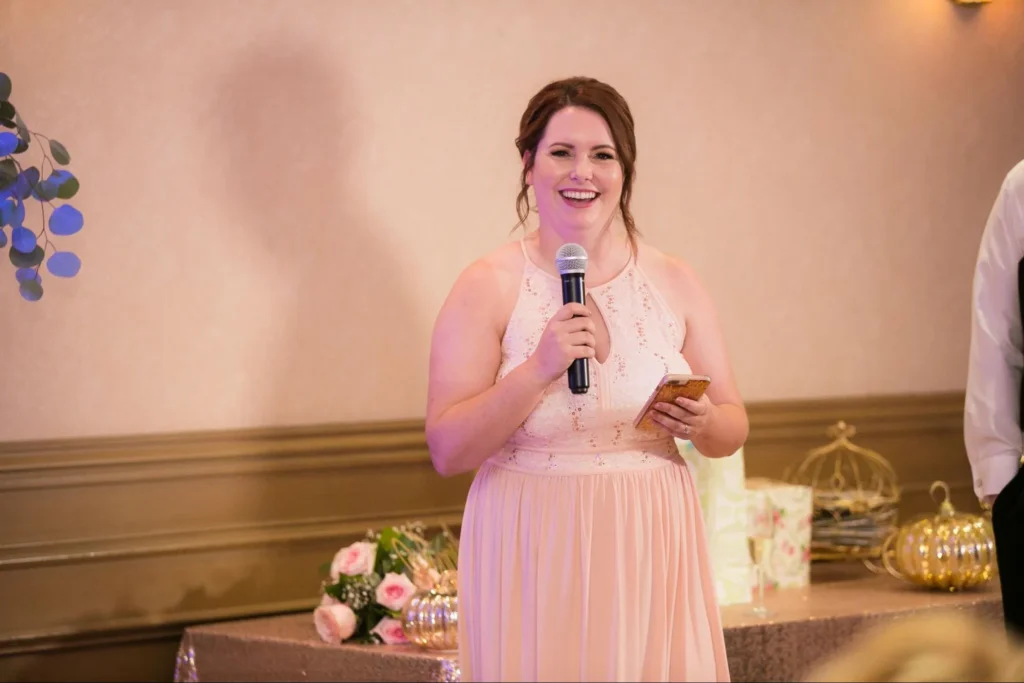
668 390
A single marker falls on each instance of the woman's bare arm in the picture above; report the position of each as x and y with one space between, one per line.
469 415
706 352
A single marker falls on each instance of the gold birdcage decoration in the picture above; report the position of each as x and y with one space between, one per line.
856 497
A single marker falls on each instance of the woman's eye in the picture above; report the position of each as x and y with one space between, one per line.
605 156
560 153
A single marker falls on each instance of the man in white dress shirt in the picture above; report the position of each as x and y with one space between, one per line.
993 411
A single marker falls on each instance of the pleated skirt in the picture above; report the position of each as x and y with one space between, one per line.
587 574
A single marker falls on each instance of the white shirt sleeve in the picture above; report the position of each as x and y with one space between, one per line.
992 430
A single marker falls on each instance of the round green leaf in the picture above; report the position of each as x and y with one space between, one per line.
22 274
45 191
22 128
29 260
26 180
64 264
8 143
7 114
68 188
8 172
66 220
5 87
24 240
60 154
31 290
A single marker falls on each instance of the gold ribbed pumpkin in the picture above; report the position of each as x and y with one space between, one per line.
431 618
949 551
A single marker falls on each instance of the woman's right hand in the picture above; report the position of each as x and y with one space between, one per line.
569 335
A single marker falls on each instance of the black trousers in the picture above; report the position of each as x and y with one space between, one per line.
1008 527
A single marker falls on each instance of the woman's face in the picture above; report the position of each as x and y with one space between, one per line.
576 176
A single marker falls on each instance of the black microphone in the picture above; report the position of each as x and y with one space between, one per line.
571 261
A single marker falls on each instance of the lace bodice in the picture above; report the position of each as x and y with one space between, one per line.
645 342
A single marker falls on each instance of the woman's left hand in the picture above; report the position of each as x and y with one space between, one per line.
685 419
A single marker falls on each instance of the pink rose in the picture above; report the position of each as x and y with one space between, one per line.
329 600
390 631
334 623
354 560
395 590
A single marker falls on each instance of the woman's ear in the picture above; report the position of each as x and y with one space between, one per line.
526 164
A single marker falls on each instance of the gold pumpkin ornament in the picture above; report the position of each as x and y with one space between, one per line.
949 551
431 618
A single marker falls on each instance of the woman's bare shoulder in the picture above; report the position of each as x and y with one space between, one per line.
490 284
507 260
496 271
674 271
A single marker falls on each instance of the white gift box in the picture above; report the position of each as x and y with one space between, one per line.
721 486
783 512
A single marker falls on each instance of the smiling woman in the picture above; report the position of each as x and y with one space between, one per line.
569 132
582 553
574 167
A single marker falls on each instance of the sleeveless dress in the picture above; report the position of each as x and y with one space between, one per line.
582 550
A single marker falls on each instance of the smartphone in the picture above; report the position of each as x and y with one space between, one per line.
668 390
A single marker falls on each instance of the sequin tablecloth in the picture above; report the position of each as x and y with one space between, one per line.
287 648
805 625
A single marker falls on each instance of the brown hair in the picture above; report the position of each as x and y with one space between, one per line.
948 646
598 97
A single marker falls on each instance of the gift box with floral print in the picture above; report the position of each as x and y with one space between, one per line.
782 513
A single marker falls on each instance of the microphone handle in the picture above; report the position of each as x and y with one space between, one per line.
579 371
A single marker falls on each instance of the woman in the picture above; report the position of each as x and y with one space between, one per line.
582 547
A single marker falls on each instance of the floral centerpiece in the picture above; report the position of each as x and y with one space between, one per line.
370 582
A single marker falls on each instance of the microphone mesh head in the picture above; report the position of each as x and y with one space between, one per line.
571 258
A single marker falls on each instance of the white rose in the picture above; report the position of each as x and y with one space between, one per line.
390 631
334 623
354 560
395 590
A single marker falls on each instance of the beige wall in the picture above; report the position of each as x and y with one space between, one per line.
278 195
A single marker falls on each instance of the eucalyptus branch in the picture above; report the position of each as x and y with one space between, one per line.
29 249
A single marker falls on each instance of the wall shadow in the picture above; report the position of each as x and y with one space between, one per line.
291 138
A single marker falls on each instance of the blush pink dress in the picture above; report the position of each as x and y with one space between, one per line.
583 556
